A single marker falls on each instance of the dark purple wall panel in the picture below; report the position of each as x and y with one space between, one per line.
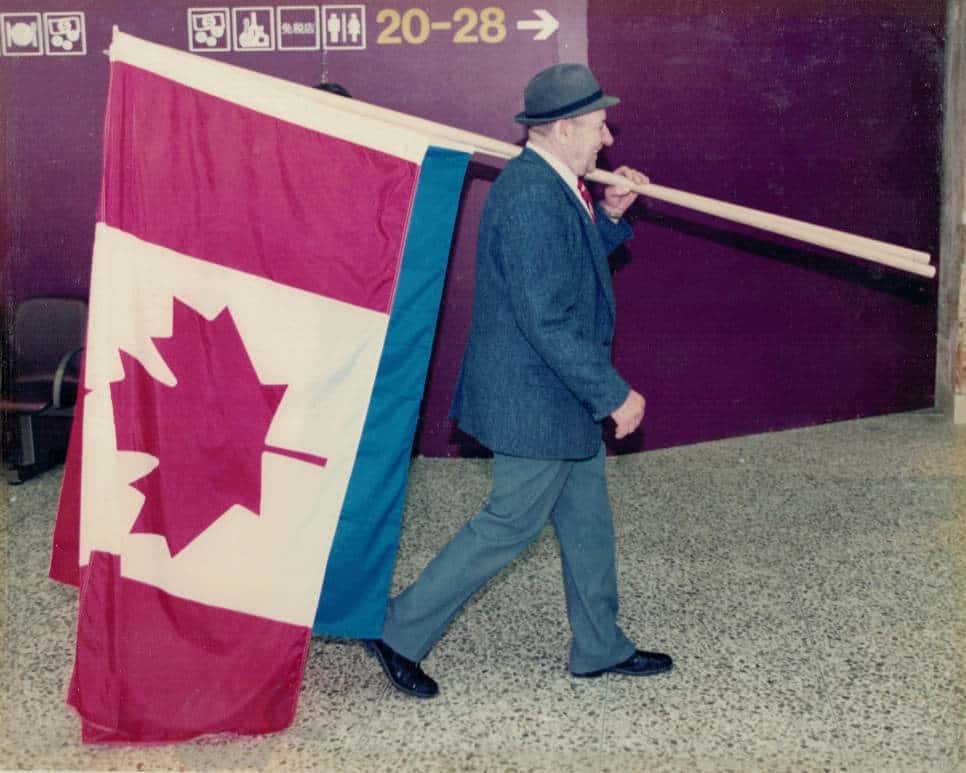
807 110
824 111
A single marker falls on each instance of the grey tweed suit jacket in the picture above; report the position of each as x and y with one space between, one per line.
536 378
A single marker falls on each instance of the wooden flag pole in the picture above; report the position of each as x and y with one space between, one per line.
799 229
840 241
884 253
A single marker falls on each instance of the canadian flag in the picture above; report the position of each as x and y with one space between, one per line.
265 282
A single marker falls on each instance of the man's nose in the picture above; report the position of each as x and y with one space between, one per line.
606 137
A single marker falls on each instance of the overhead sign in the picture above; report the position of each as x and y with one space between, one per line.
330 27
344 27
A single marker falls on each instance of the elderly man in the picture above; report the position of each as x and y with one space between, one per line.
535 385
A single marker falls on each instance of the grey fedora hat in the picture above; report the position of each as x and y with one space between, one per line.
562 91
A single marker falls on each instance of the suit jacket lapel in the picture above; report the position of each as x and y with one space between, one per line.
589 228
599 259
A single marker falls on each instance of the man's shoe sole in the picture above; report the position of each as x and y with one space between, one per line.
596 674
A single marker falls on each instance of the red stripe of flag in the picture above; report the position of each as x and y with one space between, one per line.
210 179
225 671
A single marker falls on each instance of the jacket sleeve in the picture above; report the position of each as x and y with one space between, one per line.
543 257
613 234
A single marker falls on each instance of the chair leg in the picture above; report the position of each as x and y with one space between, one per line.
13 474
21 457
28 452
33 443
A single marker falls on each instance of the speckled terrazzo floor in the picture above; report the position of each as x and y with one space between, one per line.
810 585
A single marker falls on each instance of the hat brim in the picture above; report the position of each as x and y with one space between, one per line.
598 104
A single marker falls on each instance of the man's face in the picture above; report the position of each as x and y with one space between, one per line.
586 135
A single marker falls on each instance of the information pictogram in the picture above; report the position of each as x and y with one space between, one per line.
254 28
64 33
21 34
343 27
298 28
208 29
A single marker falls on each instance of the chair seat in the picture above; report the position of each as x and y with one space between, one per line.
30 389
22 406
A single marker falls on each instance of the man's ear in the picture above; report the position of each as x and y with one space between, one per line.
562 129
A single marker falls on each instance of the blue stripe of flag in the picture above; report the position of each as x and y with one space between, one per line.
359 572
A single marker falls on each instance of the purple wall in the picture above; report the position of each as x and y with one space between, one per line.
827 112
825 115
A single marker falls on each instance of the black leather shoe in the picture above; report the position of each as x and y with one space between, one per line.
639 664
402 672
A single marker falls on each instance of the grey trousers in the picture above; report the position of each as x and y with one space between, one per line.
525 494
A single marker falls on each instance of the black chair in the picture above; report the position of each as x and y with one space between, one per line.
41 378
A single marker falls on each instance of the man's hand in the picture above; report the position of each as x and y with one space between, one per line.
617 198
629 415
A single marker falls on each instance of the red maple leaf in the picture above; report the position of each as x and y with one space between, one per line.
207 432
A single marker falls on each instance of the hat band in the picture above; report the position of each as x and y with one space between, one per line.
568 108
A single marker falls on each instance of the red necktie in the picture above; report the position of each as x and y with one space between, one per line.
585 195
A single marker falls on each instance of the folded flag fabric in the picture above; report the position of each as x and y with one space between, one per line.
266 277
